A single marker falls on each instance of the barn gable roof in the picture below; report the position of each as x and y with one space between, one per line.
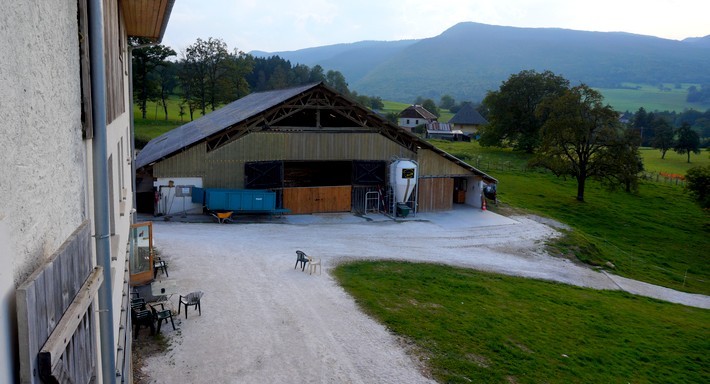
275 110
468 115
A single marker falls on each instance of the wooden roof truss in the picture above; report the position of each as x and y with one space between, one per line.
331 112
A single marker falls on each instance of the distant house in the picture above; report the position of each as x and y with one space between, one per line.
415 115
468 120
444 131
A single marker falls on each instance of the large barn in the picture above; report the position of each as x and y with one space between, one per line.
318 150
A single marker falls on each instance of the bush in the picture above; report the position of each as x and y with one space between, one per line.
698 183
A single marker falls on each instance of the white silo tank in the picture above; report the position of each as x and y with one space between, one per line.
403 178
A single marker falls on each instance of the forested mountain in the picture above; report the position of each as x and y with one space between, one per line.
470 58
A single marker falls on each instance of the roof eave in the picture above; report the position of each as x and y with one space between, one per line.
147 19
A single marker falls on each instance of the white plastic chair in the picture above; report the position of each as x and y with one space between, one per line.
313 263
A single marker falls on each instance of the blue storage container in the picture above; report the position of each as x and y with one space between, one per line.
240 200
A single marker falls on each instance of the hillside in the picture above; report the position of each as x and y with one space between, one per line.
470 58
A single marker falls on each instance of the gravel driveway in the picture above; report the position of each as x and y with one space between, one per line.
264 322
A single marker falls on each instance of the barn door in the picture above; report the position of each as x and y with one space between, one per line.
435 194
264 175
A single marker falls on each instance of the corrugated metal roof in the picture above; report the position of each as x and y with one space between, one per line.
233 113
468 115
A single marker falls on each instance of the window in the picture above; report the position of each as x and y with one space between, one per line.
113 51
87 127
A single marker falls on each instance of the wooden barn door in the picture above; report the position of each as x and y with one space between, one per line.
435 194
318 199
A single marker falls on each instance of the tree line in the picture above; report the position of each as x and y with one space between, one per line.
207 75
572 132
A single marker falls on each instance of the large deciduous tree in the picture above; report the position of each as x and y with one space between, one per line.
644 123
210 76
166 76
624 161
512 120
663 136
208 62
580 137
447 102
687 141
430 106
146 60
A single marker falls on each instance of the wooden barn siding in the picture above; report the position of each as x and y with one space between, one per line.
318 199
433 164
224 167
435 194
190 163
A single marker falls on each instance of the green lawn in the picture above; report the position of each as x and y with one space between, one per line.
658 235
673 162
651 98
469 326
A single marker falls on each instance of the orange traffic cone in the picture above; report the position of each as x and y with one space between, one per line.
483 206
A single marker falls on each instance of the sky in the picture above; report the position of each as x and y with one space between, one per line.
286 25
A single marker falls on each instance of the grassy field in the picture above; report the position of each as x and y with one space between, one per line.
470 326
155 123
651 98
673 162
646 235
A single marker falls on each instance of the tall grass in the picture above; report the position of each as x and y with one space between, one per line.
673 162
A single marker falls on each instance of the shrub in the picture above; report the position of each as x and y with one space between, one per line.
698 183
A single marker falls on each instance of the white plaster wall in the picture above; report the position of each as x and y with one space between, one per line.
413 122
474 192
172 205
42 158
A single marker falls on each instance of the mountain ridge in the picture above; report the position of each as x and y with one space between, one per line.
469 59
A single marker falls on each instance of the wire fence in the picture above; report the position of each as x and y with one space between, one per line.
663 177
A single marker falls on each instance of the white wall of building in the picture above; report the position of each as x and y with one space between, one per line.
170 203
410 122
46 175
474 191
42 159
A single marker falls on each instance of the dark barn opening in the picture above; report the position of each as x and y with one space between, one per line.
317 173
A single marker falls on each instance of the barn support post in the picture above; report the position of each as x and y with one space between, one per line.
101 189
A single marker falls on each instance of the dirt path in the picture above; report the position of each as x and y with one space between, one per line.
264 322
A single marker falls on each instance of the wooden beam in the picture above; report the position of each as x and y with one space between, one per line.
51 354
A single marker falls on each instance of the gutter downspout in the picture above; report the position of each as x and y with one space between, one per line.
101 190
